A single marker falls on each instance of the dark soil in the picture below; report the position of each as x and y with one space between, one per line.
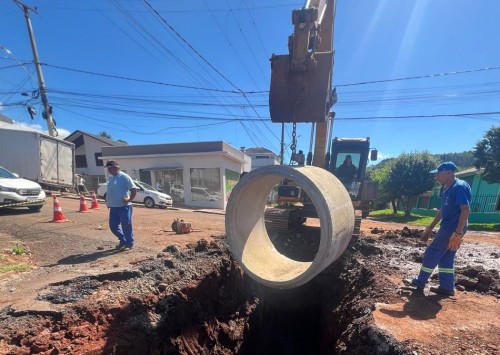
196 300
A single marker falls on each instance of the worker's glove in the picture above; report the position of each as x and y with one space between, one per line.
425 235
455 241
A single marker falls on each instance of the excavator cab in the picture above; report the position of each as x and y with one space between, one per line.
348 162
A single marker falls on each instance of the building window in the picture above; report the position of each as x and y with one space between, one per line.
81 161
262 157
205 184
78 142
98 162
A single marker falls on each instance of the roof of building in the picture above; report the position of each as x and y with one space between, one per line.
171 148
99 138
257 150
468 172
6 119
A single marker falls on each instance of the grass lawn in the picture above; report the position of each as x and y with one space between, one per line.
416 220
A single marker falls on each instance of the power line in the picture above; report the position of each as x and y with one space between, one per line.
238 91
468 114
247 43
128 129
140 80
405 78
235 52
190 46
204 60
296 4
207 62
421 76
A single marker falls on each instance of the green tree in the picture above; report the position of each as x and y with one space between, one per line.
487 155
464 160
380 174
409 177
104 134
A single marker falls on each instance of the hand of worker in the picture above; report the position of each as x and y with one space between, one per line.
455 241
425 235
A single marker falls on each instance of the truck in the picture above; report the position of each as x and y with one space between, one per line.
39 157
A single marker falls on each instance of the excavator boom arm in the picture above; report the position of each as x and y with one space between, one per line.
301 82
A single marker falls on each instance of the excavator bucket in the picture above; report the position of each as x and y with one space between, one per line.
300 96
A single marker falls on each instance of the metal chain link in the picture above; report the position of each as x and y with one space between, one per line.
293 146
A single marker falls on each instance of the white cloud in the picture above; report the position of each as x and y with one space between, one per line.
63 133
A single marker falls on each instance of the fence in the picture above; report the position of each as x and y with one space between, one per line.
479 203
484 208
485 203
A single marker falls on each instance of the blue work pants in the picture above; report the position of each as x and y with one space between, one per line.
120 224
438 254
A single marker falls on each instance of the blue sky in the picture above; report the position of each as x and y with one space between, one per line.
187 71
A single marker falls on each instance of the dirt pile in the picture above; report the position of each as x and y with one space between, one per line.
198 301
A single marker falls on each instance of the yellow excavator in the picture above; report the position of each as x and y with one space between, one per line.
301 91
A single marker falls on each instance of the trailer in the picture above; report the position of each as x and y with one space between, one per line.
36 156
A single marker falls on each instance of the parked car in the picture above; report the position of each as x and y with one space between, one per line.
17 192
202 194
177 192
146 194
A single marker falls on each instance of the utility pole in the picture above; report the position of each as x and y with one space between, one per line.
47 114
282 150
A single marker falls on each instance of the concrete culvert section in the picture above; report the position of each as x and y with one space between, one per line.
248 238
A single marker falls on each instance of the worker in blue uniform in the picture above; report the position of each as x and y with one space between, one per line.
453 215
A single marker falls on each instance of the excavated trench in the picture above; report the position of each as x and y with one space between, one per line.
198 301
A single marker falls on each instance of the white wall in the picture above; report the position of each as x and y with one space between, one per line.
257 163
220 160
93 146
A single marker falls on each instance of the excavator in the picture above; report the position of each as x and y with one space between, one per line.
301 91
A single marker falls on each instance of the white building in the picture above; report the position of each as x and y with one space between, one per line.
261 157
200 174
88 162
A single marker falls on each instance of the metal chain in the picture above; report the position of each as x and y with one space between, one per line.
293 146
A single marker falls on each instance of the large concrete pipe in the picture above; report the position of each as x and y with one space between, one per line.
246 230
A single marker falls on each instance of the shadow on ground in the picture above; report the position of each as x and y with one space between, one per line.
85 258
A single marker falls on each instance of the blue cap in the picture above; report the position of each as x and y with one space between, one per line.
448 165
112 164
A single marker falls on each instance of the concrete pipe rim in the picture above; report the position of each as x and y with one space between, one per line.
248 238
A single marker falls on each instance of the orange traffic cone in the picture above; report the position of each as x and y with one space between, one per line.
83 204
94 205
58 214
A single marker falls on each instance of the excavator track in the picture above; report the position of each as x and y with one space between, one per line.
357 227
278 219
